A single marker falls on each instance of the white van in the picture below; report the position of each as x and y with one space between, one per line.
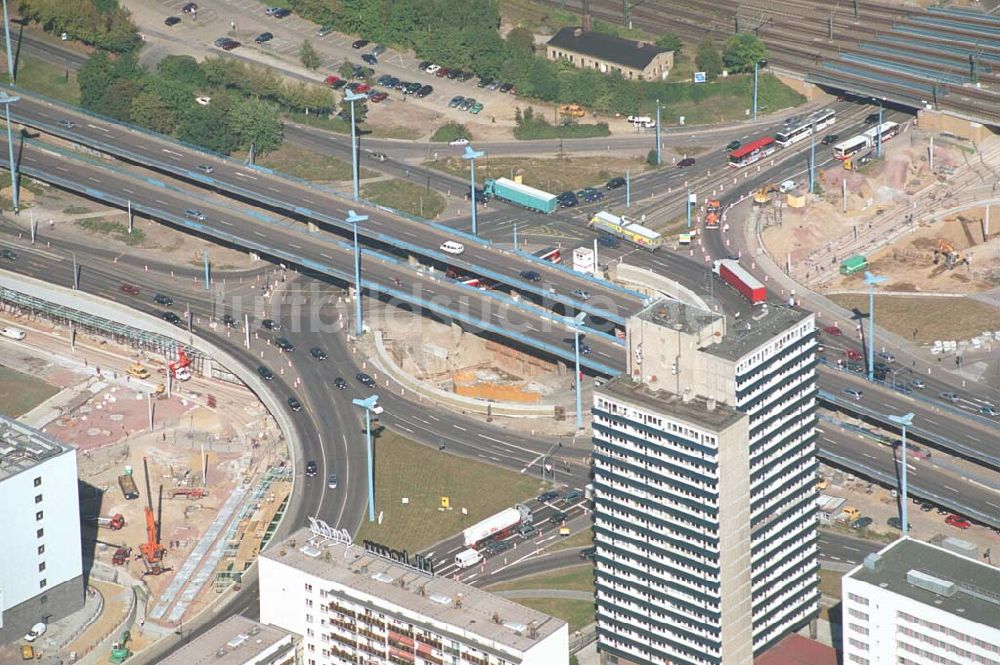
466 558
642 121
13 333
452 247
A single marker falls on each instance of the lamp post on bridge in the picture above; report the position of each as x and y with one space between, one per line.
15 196
574 322
10 52
352 97
472 155
354 219
903 422
369 405
872 281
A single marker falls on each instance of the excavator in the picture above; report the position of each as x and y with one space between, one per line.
945 253
180 369
152 550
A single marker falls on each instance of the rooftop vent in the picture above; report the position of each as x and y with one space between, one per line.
930 583
236 641
220 653
310 551
515 626
382 577
873 562
441 598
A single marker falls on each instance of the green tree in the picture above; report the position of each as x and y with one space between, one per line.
94 78
149 110
671 41
520 39
208 127
742 51
308 56
360 110
346 69
708 58
116 101
256 123
182 68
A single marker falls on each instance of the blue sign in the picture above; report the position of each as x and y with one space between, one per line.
699 77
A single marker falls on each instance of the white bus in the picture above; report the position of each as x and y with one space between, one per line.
887 129
800 130
851 147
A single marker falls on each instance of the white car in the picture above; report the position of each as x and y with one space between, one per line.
432 69
786 186
452 247
459 141
331 482
36 631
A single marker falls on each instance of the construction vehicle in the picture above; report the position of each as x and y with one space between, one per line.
138 371
572 110
180 369
127 483
945 253
713 210
120 650
152 549
121 556
115 522
189 493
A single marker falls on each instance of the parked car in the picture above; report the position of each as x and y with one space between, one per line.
476 108
414 88
861 523
896 523
684 163
294 404
36 631
571 496
317 353
441 73
588 553
365 379
378 50
423 65
957 521
615 183
926 507
360 43
424 91
545 497
432 68
467 103
378 97
370 59
455 101
230 45
506 87
171 21
383 80
263 37
324 31
190 8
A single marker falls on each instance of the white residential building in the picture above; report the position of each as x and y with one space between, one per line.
368 605
237 641
705 487
914 603
41 569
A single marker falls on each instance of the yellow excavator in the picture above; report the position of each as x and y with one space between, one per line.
946 254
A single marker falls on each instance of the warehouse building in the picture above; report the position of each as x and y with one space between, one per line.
634 60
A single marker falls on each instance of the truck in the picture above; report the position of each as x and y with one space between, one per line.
115 522
624 228
713 209
853 264
127 483
746 284
496 527
520 194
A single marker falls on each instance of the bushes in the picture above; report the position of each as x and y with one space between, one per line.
451 131
100 23
529 126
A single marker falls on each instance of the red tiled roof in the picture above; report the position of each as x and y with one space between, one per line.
798 650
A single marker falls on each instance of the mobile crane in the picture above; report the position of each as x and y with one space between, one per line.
152 550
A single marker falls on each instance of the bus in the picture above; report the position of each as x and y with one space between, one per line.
629 230
850 147
814 122
887 129
752 152
550 254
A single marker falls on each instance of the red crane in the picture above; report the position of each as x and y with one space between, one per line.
152 550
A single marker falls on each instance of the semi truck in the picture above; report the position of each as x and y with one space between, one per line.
713 208
746 284
496 527
127 483
522 195
624 228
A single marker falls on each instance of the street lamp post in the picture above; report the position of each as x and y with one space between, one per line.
472 156
872 281
812 157
575 322
628 190
903 422
10 52
756 66
354 219
878 132
7 100
659 156
354 97
368 405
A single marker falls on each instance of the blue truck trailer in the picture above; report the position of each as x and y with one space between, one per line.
522 195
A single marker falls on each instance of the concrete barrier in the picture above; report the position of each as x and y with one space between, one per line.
655 284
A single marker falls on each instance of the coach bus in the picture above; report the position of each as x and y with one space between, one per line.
752 152
851 147
887 129
800 130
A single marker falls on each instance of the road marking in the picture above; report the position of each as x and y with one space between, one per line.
161 202
433 417
260 234
853 549
222 221
325 255
175 155
292 244
401 426
836 558
950 488
246 175
868 456
127 191
93 179
460 427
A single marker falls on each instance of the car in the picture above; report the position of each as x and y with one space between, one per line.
835 331
452 247
453 74
170 317
886 356
684 163
527 530
205 168
161 299
460 141
957 521
229 321
383 80
499 547
432 68
558 517
338 84
926 507
854 393
581 294
317 353
949 396
282 12
829 139
861 523
360 43
856 367
340 383
852 354
190 8
615 183
263 37
270 324
361 88
378 156
467 103
331 79
379 50
733 145
402 86
477 108
545 497
571 496
269 11
294 404
194 213
482 82
465 76
265 372
171 21
871 118
493 85
455 101
324 31
413 88
283 344
423 65
441 73
918 384
530 276
896 523
36 631
331 481
230 45
424 91
311 468
584 349
129 289
609 241
365 379
588 553
378 97
568 200
369 59
988 410
506 87
481 196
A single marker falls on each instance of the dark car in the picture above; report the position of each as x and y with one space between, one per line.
465 76
340 383
571 496
229 320
530 276
684 163
609 241
370 59
171 21
281 12
871 118
926 507
424 64
230 45
378 97
190 8
615 183
424 91
733 145
455 101
453 74
161 299
483 82
413 88
360 43
441 73
317 353
265 372
311 468
558 517
130 289
527 530
338 84
830 139
170 317
545 497
383 80
294 404
499 547
263 37
896 523
506 87
861 523
584 349
568 200
365 379
270 324
283 344
588 553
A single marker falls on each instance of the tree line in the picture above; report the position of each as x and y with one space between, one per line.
100 23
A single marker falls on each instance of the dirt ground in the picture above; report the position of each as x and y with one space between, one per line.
551 175
926 319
